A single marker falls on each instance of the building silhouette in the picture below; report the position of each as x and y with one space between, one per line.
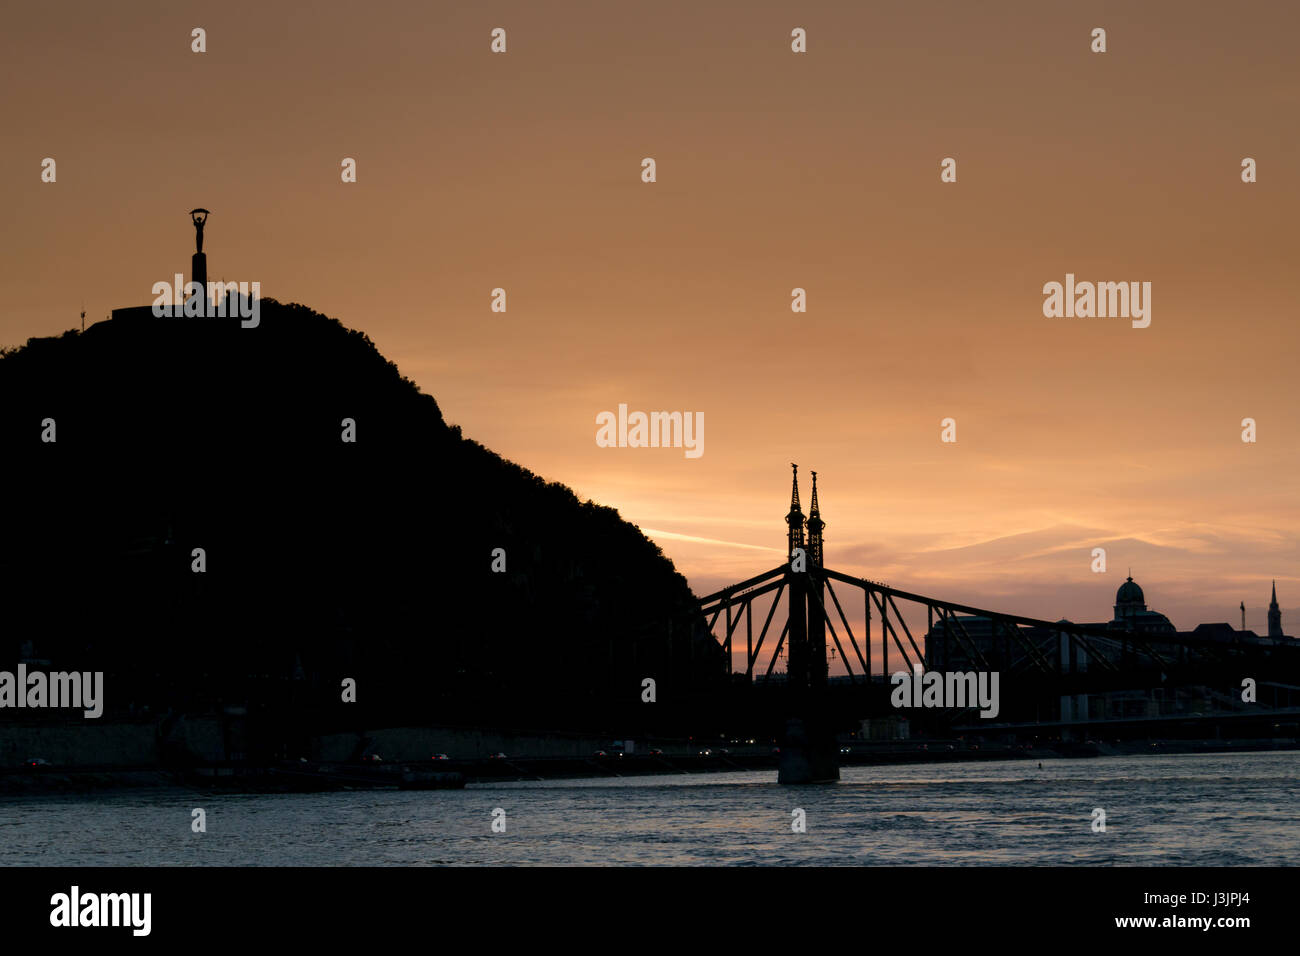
1131 617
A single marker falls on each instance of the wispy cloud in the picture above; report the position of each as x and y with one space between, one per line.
674 536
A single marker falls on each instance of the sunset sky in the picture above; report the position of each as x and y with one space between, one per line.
775 170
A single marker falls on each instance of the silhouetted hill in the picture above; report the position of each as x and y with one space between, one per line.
325 559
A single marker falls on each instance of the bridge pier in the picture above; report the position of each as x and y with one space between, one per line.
808 755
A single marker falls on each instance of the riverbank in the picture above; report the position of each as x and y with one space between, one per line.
304 777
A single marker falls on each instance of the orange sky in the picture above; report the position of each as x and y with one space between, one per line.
775 170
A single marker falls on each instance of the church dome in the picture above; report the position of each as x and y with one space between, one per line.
1129 593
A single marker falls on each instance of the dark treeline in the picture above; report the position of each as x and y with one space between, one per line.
324 559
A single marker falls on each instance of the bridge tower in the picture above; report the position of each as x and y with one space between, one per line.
797 558
808 746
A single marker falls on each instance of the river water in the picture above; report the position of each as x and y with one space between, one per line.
1215 810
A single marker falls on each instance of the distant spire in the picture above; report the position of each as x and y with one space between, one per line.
1274 615
1274 601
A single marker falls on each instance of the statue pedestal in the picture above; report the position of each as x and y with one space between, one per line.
199 270
199 274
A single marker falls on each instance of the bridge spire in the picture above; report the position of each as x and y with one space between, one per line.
795 518
815 526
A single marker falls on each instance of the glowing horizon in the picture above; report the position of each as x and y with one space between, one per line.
775 171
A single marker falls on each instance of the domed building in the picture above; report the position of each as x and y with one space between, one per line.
1131 611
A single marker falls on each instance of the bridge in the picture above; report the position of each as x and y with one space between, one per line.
1045 670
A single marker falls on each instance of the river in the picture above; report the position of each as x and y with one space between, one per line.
1213 810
